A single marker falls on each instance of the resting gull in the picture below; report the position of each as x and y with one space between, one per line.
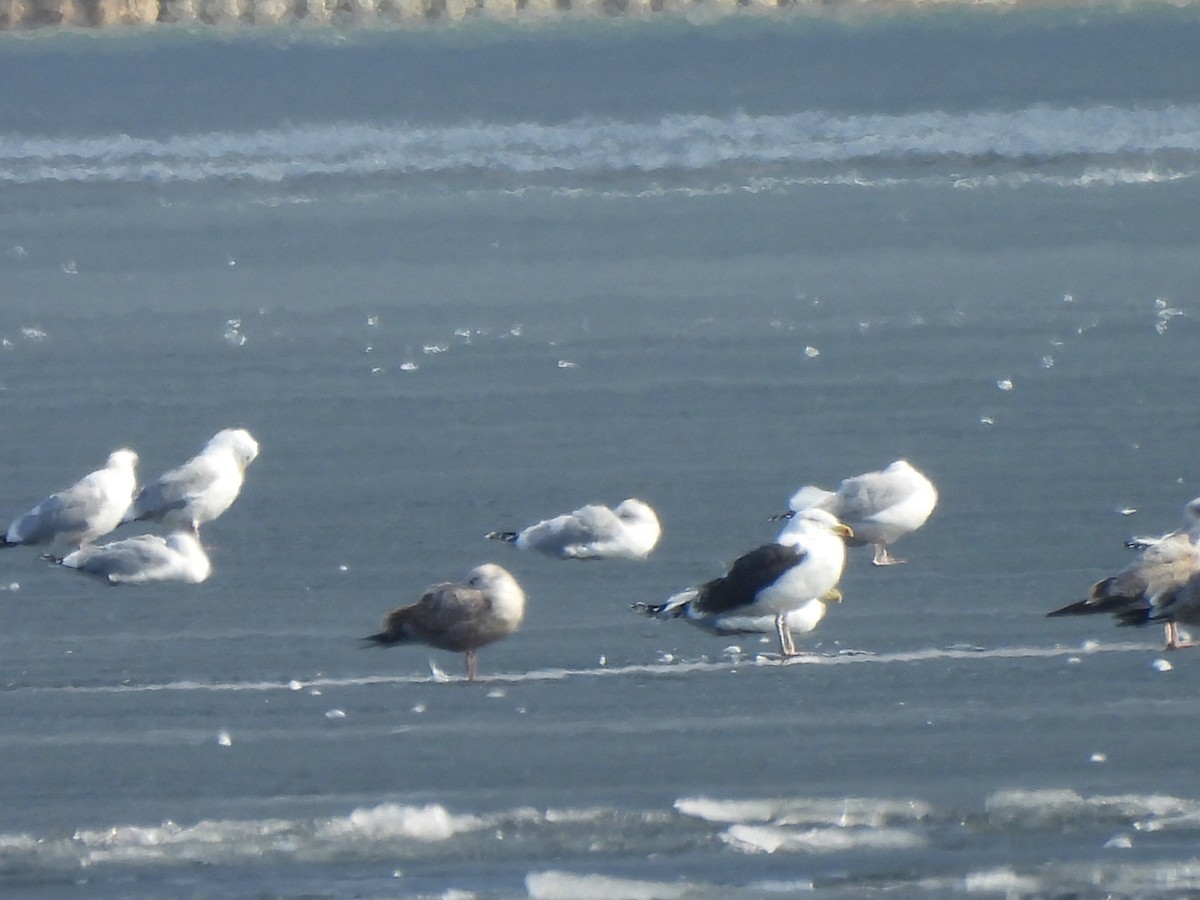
785 584
202 488
1170 607
459 616
628 531
881 507
1133 593
147 557
88 509
1190 527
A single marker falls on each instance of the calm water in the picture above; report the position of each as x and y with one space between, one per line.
459 279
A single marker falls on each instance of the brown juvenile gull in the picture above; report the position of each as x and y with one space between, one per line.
145 558
1161 568
88 509
785 583
881 507
1170 607
628 531
202 488
459 616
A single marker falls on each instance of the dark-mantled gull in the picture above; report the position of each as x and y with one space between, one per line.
785 583
460 616
202 488
88 509
1163 567
881 507
147 557
628 531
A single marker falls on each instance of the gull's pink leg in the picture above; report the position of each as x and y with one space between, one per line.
1173 641
787 647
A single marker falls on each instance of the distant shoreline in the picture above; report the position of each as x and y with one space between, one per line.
23 15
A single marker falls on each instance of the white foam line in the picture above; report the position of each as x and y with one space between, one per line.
1133 140
671 668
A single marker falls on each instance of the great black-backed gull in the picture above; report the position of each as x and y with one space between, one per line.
785 583
459 616
628 531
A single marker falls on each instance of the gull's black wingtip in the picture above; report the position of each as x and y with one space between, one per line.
1079 608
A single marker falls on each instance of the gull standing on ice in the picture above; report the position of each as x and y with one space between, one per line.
459 616
202 488
1169 607
881 507
783 585
90 508
1133 593
147 557
628 531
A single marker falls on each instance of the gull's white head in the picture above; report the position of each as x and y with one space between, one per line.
236 441
188 546
503 590
635 512
642 522
489 575
813 521
122 459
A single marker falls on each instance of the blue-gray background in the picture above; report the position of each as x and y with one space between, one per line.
459 279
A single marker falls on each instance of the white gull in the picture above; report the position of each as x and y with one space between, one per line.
145 558
881 506
202 488
88 509
628 531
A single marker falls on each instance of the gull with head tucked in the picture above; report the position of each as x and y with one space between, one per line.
460 616
202 488
881 506
88 509
628 531
145 558
783 585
